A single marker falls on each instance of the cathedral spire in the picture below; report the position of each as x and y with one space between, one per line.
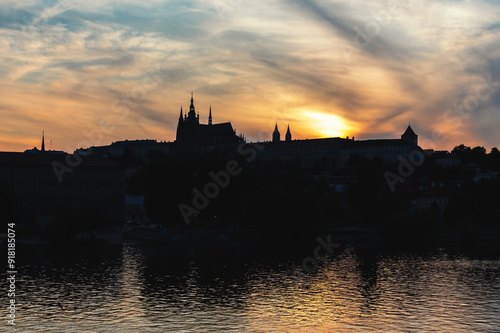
43 140
180 117
210 115
288 135
192 112
276 134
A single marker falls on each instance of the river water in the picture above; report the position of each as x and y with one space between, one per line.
152 288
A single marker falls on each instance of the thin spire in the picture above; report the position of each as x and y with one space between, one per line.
276 134
43 140
192 112
180 117
210 115
288 135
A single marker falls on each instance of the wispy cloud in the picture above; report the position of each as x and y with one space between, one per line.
375 66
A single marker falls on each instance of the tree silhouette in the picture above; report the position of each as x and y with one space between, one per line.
493 159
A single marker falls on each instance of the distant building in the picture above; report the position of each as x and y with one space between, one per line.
324 152
445 159
425 203
481 174
191 138
139 148
42 149
328 153
191 132
95 183
388 150
135 209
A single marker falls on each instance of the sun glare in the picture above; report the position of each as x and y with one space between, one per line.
327 125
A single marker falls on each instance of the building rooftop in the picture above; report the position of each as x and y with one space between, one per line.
409 131
46 158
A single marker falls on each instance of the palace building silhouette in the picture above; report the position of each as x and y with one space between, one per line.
331 153
193 138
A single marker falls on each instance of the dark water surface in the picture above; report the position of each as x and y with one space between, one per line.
152 288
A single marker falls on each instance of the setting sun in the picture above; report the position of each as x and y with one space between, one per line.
327 125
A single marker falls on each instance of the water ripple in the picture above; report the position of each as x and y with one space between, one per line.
134 288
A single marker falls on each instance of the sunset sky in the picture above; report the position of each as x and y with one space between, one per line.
115 70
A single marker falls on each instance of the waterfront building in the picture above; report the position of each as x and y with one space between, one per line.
32 177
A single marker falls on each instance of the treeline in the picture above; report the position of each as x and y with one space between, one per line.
478 156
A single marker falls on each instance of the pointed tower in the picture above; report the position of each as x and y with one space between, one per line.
192 113
210 115
276 134
43 140
288 135
181 118
410 137
180 126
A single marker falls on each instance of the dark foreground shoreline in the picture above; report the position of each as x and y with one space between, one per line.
479 241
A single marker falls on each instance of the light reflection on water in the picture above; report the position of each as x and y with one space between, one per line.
134 287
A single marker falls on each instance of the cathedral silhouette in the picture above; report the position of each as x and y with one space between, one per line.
190 131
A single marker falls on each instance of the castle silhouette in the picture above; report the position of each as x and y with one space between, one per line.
332 153
193 138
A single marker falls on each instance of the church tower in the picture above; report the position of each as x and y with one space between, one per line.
276 134
210 116
192 117
288 135
410 137
43 141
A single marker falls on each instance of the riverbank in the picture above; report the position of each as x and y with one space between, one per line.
484 241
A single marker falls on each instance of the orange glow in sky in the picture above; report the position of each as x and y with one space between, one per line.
308 64
326 125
